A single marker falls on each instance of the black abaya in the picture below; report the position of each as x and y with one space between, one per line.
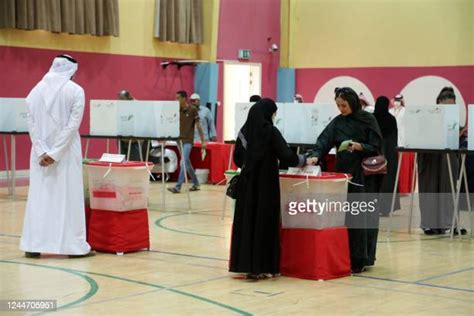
255 246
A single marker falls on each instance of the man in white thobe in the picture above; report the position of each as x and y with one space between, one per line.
54 218
398 111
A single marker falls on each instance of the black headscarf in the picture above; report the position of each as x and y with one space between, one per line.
387 121
358 114
257 131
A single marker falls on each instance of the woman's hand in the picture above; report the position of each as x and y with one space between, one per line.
355 146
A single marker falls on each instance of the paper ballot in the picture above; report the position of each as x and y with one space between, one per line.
306 171
344 145
112 158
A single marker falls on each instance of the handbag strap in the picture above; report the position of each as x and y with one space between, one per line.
243 140
244 144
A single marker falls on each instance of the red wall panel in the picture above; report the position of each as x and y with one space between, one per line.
101 76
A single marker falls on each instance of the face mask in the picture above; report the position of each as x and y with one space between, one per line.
397 103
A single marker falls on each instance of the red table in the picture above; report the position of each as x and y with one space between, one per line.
217 160
118 232
315 254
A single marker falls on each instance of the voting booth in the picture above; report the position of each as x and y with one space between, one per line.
135 118
118 206
312 118
13 122
432 126
314 240
14 113
470 131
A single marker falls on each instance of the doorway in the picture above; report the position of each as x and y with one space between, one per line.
241 81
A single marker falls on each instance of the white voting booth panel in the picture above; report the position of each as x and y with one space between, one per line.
432 126
103 117
299 123
303 122
158 119
470 124
242 111
13 112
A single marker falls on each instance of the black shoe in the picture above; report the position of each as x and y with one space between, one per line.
357 270
32 254
461 231
194 188
251 276
174 190
433 231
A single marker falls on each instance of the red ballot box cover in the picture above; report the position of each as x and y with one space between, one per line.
317 254
119 231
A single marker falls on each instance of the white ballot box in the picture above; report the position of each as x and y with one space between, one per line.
432 126
118 186
313 202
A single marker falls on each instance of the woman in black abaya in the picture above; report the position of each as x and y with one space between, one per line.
361 129
255 247
388 126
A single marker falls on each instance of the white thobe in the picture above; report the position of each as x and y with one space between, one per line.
55 218
399 113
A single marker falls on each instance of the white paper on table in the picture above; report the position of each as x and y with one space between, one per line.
112 158
306 171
